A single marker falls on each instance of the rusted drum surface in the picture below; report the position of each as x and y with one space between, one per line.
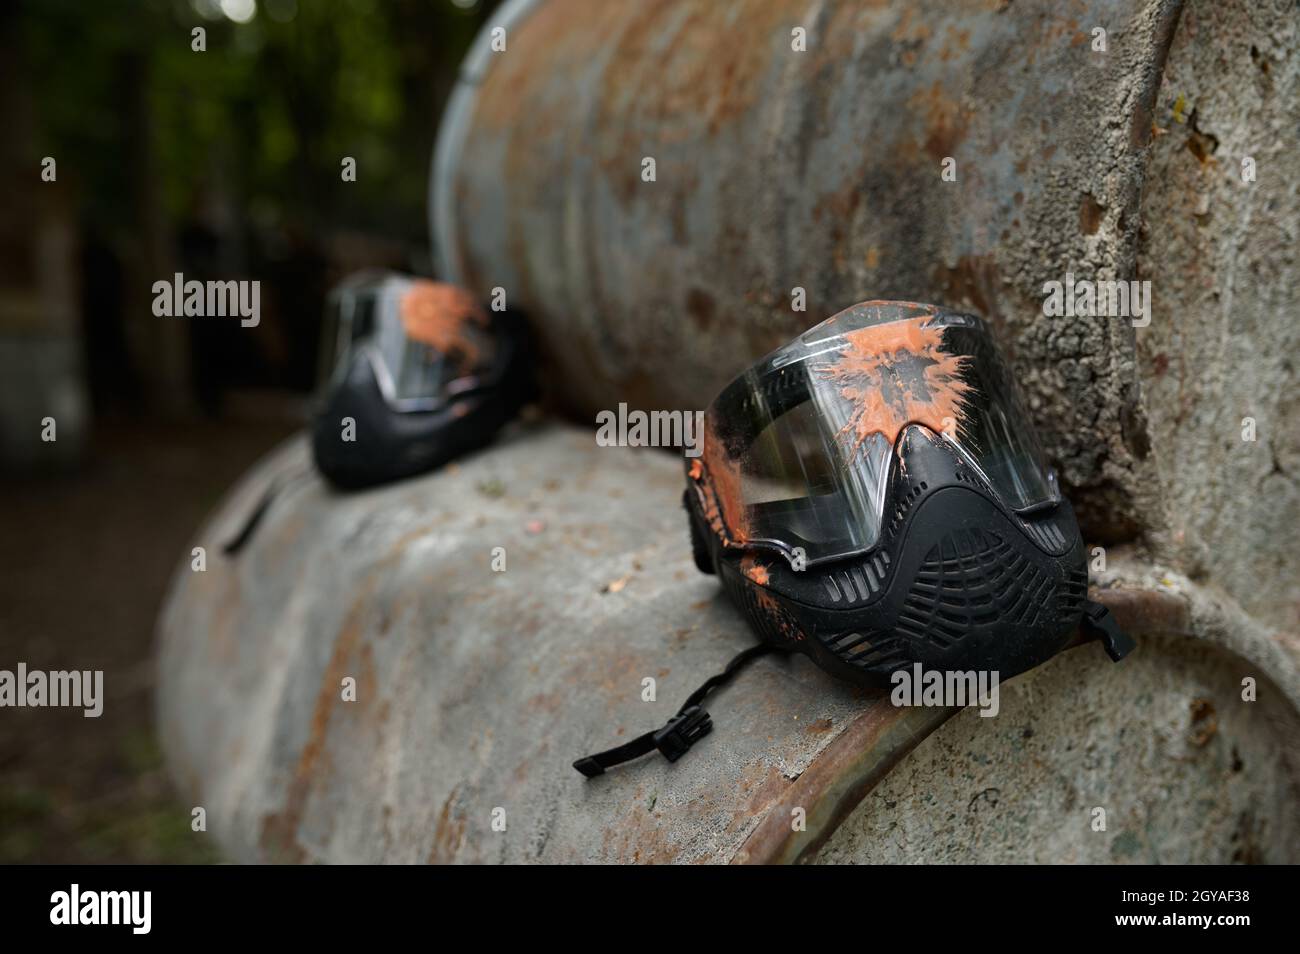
475 690
778 167
1102 139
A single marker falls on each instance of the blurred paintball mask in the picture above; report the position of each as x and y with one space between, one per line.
416 373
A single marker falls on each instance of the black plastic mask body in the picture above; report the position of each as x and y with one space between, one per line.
873 495
417 374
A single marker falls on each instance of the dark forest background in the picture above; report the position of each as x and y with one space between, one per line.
218 164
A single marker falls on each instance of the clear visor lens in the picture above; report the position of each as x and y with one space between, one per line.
426 339
798 450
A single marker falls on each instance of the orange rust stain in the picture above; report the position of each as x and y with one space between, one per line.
438 314
945 120
818 726
280 830
1090 214
974 279
906 31
1205 722
548 702
762 794
367 685
877 372
701 78
287 538
450 833
546 43
224 645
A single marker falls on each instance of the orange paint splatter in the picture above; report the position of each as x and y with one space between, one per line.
717 481
754 570
776 614
898 374
438 314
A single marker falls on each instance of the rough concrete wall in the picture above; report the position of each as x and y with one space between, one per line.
1222 345
1184 770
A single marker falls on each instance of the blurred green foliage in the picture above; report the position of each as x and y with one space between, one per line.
130 818
264 116
147 133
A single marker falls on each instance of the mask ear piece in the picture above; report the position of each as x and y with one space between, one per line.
1099 624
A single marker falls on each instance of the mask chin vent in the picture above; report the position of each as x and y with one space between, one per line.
972 578
869 651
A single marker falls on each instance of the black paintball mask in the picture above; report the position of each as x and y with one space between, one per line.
416 373
873 495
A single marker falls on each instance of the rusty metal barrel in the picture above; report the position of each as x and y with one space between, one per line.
472 690
407 674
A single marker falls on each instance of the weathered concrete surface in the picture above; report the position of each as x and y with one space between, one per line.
1185 771
477 689
1222 345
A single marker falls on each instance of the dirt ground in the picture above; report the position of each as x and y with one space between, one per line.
84 563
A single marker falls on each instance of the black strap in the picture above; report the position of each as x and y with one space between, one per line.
1099 624
279 483
688 726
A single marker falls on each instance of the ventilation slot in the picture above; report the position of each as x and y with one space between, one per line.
973 579
904 505
832 590
869 651
1047 535
859 582
1071 595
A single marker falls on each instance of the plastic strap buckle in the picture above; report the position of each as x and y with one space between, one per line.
682 731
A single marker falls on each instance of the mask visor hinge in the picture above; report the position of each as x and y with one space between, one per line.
1099 624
